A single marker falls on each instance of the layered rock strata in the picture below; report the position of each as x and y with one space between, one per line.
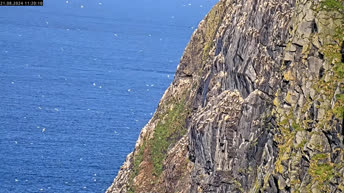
256 105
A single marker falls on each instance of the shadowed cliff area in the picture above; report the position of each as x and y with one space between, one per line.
256 105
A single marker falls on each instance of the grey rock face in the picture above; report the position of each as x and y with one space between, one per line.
252 47
263 84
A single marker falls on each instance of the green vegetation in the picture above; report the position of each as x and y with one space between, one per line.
333 5
167 132
302 144
296 127
169 129
332 53
339 109
212 24
285 140
339 71
319 156
321 169
321 172
138 158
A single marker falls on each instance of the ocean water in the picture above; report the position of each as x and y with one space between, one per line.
78 81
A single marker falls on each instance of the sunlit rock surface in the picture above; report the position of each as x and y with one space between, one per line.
256 105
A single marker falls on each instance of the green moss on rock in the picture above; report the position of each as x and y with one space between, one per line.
167 132
333 5
138 158
214 19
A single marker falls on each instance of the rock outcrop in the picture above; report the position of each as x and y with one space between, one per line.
256 105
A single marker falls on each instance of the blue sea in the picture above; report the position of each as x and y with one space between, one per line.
78 81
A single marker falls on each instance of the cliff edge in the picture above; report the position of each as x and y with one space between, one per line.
256 105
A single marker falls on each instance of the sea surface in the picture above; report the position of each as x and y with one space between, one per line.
78 81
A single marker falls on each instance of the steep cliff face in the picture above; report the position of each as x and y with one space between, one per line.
257 105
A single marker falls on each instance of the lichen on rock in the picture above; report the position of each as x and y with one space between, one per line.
257 105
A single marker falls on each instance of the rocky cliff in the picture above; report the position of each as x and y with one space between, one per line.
256 105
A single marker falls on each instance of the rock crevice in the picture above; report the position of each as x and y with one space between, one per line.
257 105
